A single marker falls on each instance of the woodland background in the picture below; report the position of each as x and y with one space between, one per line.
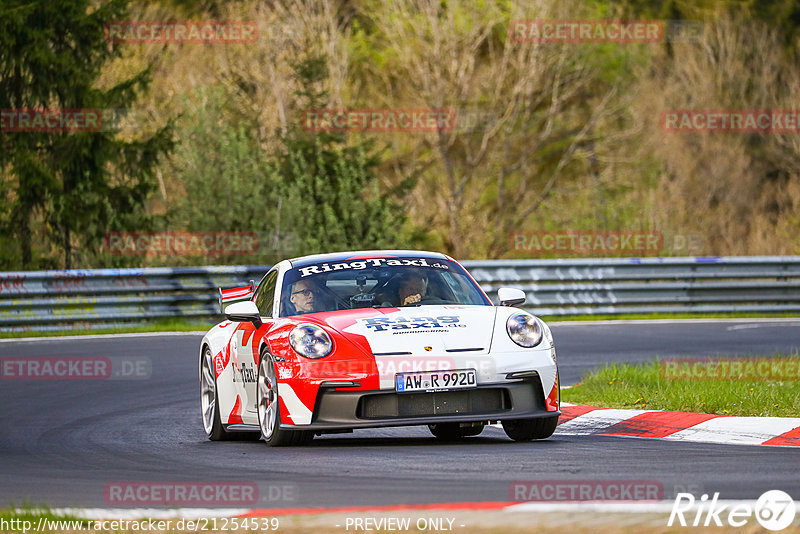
556 136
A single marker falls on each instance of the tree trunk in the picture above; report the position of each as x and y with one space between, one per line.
67 249
25 240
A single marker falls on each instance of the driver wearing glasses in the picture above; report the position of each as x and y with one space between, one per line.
302 297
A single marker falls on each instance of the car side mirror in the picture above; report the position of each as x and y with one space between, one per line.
242 312
510 296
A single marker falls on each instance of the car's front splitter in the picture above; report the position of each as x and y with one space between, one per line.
342 409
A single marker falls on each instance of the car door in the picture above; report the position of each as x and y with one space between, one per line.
248 340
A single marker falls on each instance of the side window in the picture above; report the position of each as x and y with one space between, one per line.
265 294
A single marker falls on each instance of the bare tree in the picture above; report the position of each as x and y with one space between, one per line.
739 189
543 103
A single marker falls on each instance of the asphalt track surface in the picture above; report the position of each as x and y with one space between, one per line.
63 442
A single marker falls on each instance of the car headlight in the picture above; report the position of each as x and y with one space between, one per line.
524 329
310 341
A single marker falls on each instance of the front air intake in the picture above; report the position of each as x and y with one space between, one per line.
472 402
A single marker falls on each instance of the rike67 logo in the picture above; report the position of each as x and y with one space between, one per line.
774 510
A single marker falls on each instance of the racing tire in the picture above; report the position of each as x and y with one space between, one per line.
454 431
530 429
269 410
209 399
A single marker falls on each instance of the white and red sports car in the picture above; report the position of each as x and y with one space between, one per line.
333 342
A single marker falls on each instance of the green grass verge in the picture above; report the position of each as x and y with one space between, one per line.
26 518
643 386
168 325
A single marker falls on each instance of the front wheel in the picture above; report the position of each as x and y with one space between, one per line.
530 429
269 413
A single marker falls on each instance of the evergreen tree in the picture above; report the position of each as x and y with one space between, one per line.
230 181
79 184
332 187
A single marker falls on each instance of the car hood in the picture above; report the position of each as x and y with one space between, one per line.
418 330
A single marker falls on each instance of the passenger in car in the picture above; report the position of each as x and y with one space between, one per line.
302 297
412 288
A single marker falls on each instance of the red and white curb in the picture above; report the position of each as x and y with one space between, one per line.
679 426
133 514
332 516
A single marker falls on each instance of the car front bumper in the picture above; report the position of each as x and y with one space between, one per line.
339 409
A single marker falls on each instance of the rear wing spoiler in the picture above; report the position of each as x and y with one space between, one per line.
235 293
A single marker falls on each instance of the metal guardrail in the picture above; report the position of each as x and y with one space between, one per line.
648 285
86 299
56 300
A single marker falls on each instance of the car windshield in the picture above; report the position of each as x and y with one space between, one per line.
378 283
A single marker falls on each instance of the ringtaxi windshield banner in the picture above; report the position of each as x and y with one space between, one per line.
371 262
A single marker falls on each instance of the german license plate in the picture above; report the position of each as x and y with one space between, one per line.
430 381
